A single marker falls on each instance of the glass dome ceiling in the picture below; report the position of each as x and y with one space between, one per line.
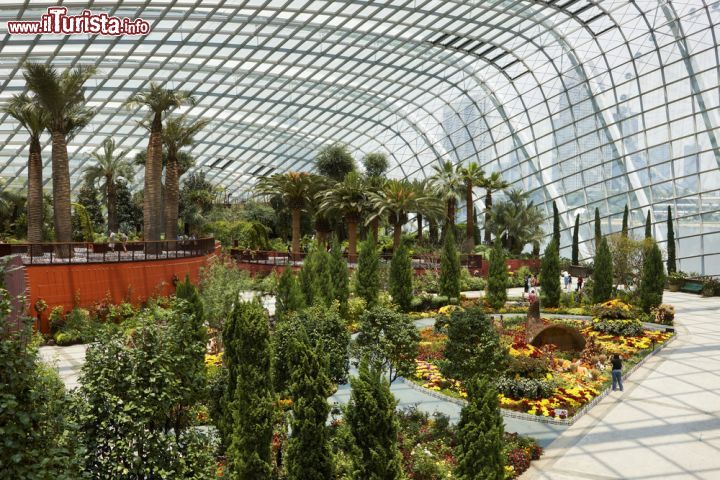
591 104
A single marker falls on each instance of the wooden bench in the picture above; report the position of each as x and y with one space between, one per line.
691 287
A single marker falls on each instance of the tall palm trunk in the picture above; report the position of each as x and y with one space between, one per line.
419 227
397 234
62 216
469 217
172 196
111 193
153 178
295 231
433 232
34 198
352 238
375 228
488 208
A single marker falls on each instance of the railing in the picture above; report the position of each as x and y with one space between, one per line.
277 258
119 251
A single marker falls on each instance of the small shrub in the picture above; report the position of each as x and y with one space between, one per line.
613 309
528 367
625 328
56 319
439 301
533 388
663 314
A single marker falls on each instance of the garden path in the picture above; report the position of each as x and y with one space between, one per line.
67 360
667 422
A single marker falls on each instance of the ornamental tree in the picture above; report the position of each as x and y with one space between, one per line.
340 277
598 228
473 346
289 296
449 268
401 277
576 241
550 276
368 273
626 214
316 277
653 279
480 434
497 277
603 274
648 226
371 416
556 224
249 398
671 263
308 451
389 341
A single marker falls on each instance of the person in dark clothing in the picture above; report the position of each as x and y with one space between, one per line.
527 284
616 372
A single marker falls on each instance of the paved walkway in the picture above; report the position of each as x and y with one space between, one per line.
667 422
67 360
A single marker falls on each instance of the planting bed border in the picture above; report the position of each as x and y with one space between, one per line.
540 418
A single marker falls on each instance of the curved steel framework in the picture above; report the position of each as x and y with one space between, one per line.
589 103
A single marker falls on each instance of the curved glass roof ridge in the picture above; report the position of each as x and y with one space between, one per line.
593 104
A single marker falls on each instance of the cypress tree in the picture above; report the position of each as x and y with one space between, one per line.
497 277
648 226
626 214
671 267
316 277
368 273
576 241
371 417
556 224
340 277
477 236
550 276
480 434
308 452
249 397
652 281
598 228
289 296
603 274
400 282
185 290
449 268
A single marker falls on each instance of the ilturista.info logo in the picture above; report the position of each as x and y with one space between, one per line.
57 21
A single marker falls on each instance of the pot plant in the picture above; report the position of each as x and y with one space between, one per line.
675 281
710 287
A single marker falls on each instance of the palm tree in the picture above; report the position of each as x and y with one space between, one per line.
397 198
158 100
12 203
491 183
373 184
347 199
110 165
447 183
62 97
295 188
517 220
178 133
471 175
34 119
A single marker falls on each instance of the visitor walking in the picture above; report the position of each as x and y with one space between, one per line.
532 298
568 281
124 240
111 240
579 283
535 282
616 372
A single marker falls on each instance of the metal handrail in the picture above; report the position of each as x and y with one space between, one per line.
52 253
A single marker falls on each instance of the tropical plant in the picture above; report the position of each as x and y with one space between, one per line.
109 166
346 199
517 220
397 198
376 164
295 190
334 161
178 133
61 96
447 183
158 100
197 197
491 183
472 175
34 119
89 197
